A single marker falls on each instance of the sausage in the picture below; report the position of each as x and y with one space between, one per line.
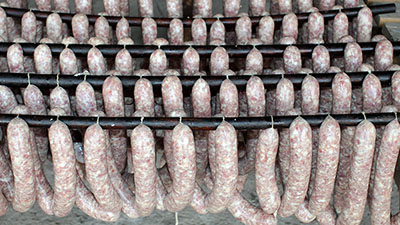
292 59
43 5
340 26
352 57
96 62
13 3
266 186
144 97
80 28
325 5
103 30
254 61
219 61
172 96
199 31
158 62
350 3
43 59
229 100
358 181
257 7
68 62
149 30
15 59
54 27
202 8
34 100
364 25
124 62
96 168
396 89
126 41
69 40
315 26
342 94
265 31
83 6
285 6
304 6
114 107
61 6
365 67
123 29
231 8
59 99
19 147
284 97
327 163
94 41
28 27
3 25
384 173
321 59
378 38
190 62
372 94
174 9
310 93
290 26
145 8
217 32
7 100
184 171
112 7
300 167
243 30
175 32
85 99
124 6
383 55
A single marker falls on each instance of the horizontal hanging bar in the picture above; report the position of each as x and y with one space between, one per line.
229 22
235 51
48 81
240 123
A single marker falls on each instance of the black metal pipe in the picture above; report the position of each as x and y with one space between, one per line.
240 123
229 22
48 81
234 51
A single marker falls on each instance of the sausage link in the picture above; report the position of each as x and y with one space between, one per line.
6 174
254 61
257 7
68 62
353 57
19 147
175 32
202 8
123 29
149 30
15 59
350 3
290 26
321 59
243 30
114 107
85 99
396 89
112 7
340 26
384 173
285 6
383 55
342 93
3 204
372 94
231 8
217 32
284 96
3 24
266 186
124 62
43 59
292 59
103 30
174 9
327 163
364 25
54 27
83 6
96 62
229 99
146 8
310 95
172 96
358 181
300 167
43 5
61 6
158 62
199 32
7 99
315 26
219 61
265 30
190 62
59 99
28 27
144 97
80 28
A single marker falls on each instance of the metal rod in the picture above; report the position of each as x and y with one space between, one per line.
229 22
48 81
240 123
235 51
